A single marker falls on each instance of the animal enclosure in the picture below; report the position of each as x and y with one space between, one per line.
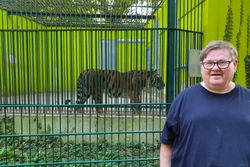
89 83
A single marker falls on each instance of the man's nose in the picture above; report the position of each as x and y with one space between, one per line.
216 67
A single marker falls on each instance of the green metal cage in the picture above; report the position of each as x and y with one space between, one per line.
46 46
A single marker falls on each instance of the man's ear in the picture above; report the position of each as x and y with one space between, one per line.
235 64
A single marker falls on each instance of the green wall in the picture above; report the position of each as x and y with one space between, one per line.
48 59
214 26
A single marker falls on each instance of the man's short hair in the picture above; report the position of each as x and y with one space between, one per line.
219 45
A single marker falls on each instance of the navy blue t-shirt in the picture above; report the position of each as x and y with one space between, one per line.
208 129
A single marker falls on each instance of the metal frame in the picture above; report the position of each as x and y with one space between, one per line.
82 13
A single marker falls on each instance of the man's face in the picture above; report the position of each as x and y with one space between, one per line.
216 78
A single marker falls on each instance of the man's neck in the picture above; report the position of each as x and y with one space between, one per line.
230 87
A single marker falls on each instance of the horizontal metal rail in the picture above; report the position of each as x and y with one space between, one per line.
86 162
96 29
83 133
84 105
77 15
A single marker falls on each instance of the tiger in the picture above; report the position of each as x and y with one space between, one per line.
94 82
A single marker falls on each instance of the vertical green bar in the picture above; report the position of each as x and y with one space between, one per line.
171 52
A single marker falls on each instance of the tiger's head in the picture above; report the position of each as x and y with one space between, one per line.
156 80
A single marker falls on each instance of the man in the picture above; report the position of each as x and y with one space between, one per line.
208 124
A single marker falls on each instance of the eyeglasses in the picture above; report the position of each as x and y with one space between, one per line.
220 64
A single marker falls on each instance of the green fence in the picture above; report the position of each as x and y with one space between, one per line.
88 83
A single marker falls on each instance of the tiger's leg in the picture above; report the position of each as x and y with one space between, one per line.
82 97
98 100
81 100
135 98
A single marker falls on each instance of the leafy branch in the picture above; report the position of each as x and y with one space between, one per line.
228 33
247 58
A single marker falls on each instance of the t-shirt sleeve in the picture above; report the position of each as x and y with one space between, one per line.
171 127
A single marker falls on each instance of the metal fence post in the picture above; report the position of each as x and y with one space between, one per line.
171 50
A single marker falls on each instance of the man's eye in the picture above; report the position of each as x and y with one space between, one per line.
209 63
222 62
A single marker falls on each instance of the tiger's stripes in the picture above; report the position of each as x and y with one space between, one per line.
116 84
